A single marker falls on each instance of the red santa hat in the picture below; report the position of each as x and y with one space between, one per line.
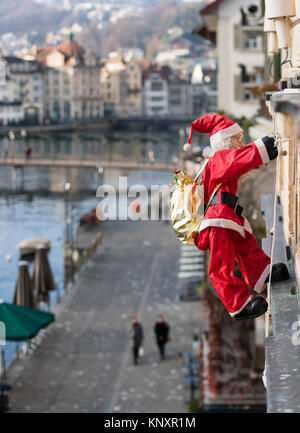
219 127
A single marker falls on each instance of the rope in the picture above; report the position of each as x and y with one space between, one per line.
272 232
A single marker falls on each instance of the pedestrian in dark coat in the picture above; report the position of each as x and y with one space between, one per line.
137 336
161 330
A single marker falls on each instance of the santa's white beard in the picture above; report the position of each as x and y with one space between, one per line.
209 151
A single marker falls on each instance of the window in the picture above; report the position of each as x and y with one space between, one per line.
251 43
249 38
156 98
156 87
247 95
175 92
157 109
56 111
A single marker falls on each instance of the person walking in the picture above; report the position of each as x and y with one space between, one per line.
28 153
137 336
161 330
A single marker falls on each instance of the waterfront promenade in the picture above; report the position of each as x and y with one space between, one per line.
85 364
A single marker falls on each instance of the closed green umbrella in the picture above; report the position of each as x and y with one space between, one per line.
24 291
43 281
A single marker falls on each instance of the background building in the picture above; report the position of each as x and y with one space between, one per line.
155 91
25 81
235 27
122 86
180 97
72 85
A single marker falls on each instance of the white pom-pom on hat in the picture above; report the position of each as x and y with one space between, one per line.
187 147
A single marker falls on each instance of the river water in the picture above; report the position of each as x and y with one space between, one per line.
152 147
32 203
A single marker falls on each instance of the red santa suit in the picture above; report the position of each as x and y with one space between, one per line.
223 231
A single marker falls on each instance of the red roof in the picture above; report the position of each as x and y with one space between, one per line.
71 49
42 53
210 7
67 48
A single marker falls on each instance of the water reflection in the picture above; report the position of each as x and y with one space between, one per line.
117 146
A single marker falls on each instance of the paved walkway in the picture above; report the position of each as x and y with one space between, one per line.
84 364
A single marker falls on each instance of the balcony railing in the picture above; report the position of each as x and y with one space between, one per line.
249 38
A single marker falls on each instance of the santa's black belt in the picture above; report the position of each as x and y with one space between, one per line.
229 199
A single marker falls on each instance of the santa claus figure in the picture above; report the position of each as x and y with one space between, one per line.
225 231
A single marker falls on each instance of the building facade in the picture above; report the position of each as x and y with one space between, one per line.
282 119
180 98
122 86
134 78
286 124
155 92
25 81
11 112
235 28
71 83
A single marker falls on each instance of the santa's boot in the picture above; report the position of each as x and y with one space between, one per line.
255 308
279 273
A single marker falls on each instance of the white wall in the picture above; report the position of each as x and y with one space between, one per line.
229 58
9 113
150 105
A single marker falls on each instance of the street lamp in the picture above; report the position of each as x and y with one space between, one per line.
67 187
71 243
